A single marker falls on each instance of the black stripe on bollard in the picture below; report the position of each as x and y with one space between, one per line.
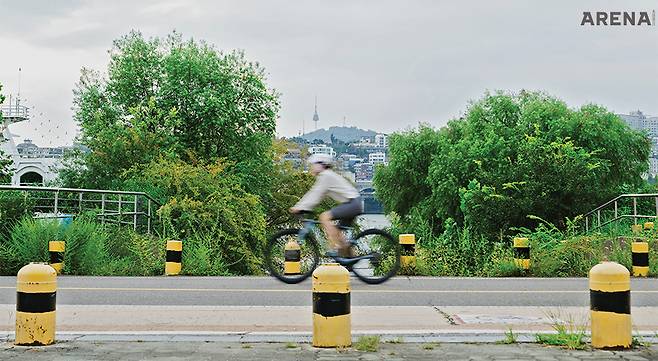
174 256
56 257
641 259
293 255
35 302
408 249
617 302
331 304
522 252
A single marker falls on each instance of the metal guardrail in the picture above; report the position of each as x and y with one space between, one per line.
595 214
112 206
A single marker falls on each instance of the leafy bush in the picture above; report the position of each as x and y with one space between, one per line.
91 248
509 157
27 242
14 205
208 208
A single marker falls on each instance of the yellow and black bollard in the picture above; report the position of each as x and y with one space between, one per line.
332 325
174 258
36 289
56 250
408 258
610 305
640 259
522 253
648 226
636 228
293 256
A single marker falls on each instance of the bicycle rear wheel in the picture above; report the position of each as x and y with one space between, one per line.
385 256
290 260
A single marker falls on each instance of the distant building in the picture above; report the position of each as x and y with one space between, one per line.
377 158
639 121
653 166
364 171
322 149
381 140
294 157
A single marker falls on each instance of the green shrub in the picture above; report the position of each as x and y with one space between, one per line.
200 258
85 250
14 205
27 242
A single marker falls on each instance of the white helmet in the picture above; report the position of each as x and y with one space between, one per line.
325 159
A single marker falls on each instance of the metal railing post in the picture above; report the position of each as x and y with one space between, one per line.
80 203
598 218
586 224
120 210
615 209
148 219
103 208
135 216
634 210
56 202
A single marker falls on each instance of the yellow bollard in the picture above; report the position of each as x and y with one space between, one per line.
56 250
174 258
408 257
522 253
36 289
640 259
610 305
293 256
648 226
331 306
636 228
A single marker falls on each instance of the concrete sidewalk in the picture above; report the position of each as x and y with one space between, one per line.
415 324
425 319
73 351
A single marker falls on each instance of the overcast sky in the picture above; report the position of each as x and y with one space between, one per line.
384 65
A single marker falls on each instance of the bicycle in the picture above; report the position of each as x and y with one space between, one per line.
291 255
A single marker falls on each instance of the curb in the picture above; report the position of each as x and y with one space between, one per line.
470 336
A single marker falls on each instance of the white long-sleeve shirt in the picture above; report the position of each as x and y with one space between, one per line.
327 183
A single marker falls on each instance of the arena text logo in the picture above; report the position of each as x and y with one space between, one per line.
619 18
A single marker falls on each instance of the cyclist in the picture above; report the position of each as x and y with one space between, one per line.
329 183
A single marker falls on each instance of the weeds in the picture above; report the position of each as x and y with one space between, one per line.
428 346
568 334
368 343
290 345
510 337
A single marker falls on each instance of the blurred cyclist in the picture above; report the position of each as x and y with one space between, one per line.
329 183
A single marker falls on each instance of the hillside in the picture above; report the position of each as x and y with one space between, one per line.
346 134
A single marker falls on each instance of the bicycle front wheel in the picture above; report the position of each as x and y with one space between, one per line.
382 256
289 259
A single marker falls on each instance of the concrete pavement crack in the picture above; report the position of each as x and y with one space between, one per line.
448 318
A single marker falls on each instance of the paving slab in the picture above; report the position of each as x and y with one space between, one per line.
73 351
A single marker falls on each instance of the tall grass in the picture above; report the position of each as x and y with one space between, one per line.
91 248
553 252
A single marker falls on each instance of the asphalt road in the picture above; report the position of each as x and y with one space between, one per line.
265 291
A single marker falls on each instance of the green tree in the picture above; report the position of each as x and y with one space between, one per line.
170 97
512 156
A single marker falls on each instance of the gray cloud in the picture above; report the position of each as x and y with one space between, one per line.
384 65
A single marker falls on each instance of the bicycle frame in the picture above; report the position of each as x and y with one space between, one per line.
310 225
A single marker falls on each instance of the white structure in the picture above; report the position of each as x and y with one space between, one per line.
31 163
381 140
377 157
639 121
322 149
